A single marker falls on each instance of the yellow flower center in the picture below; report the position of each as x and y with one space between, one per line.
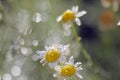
53 55
68 70
68 16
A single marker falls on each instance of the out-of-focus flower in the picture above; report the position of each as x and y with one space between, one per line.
107 19
53 55
69 16
118 23
111 3
65 72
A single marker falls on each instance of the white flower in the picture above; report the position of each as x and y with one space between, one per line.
118 23
53 55
65 72
114 4
69 16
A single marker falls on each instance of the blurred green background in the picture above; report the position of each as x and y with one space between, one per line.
99 32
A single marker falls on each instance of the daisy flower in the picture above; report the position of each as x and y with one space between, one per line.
69 16
65 72
53 55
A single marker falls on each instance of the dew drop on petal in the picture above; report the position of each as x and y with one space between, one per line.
35 42
16 71
7 77
37 17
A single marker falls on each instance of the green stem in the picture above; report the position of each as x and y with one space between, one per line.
72 78
86 55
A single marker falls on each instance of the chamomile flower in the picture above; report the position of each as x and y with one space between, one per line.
70 16
53 55
65 72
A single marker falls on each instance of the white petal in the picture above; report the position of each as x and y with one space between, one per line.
41 53
65 49
118 23
79 68
44 63
60 47
77 64
75 9
41 61
81 13
52 65
79 75
77 20
59 18
62 59
71 60
66 46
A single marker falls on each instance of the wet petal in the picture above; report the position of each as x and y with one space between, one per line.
77 20
71 60
81 13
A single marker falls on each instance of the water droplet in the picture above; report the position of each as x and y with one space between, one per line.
37 17
7 77
24 50
16 70
35 43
